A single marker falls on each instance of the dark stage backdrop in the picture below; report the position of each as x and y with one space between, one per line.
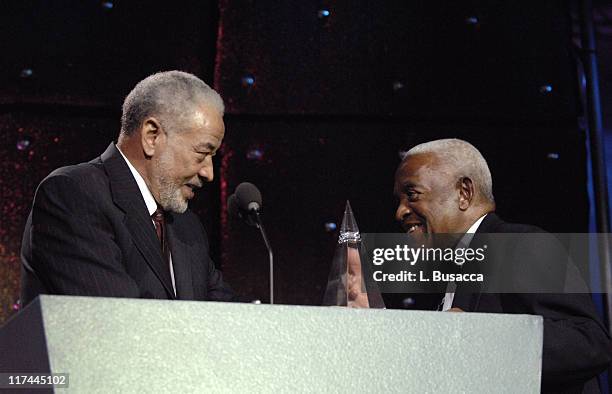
321 98
91 53
467 60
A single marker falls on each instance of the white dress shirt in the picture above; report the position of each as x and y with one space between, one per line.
464 242
151 206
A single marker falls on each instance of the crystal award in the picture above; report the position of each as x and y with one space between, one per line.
350 281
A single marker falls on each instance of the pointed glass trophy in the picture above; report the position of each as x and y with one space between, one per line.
350 281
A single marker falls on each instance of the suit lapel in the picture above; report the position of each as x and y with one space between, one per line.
469 301
127 196
489 224
182 252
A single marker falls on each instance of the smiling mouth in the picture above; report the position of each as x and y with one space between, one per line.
414 227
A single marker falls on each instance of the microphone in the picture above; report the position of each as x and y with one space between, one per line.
248 197
236 213
246 204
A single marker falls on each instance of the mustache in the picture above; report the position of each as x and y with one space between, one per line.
195 184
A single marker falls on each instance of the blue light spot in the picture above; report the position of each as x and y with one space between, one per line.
323 13
545 89
330 226
553 156
255 154
26 73
108 5
248 80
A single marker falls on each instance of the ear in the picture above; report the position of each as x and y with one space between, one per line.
151 135
466 193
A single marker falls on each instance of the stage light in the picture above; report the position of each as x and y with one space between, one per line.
23 144
330 226
545 89
255 154
26 73
471 20
323 13
248 81
397 85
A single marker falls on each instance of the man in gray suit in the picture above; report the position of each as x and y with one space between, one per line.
119 226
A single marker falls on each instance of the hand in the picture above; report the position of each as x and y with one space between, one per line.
357 297
455 309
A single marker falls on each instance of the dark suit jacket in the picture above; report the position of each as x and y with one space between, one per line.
577 346
89 233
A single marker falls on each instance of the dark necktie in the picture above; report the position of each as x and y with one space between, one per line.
158 219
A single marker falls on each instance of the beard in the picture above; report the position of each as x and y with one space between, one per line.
170 196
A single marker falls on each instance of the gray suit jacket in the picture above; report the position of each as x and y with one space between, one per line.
89 233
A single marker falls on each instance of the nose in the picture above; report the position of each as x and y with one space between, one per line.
207 170
402 211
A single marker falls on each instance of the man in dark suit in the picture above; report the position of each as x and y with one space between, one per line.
445 187
119 226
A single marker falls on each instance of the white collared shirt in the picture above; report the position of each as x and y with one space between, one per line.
463 242
151 205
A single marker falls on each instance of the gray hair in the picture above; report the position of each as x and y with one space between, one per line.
463 158
169 95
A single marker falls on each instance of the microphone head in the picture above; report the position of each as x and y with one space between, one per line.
235 212
248 197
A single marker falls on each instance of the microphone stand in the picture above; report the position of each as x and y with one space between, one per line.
260 226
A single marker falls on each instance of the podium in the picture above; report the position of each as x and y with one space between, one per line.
140 346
